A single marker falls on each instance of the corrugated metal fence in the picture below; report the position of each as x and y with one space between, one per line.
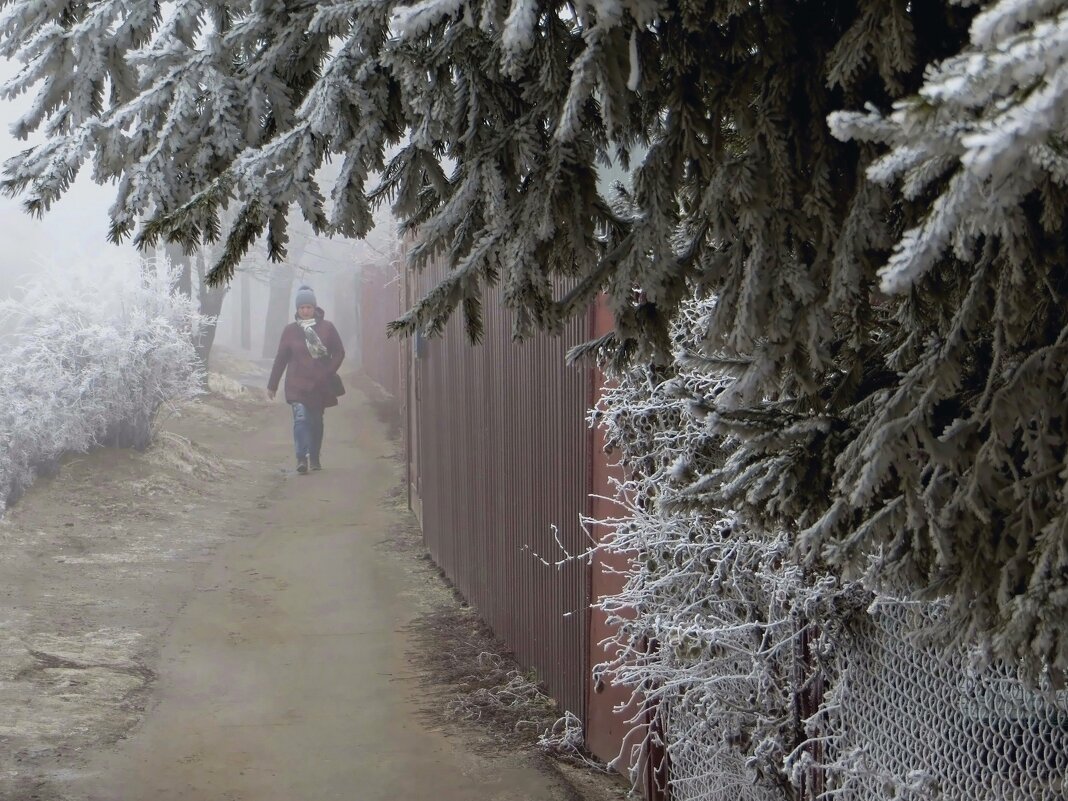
380 302
501 466
503 455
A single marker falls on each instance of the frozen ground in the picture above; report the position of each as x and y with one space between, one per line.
200 623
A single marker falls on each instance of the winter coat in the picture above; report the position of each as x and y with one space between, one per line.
307 378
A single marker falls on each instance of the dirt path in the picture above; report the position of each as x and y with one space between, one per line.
228 637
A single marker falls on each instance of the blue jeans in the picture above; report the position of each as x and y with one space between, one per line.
307 431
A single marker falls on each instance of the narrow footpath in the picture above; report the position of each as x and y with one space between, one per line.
275 661
284 678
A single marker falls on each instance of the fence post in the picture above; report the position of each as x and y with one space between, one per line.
808 698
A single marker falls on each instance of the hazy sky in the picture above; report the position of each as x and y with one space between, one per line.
75 228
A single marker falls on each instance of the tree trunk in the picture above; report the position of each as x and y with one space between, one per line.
278 311
279 303
246 312
357 316
211 301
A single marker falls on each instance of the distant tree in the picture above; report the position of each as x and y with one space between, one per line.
209 297
279 300
891 295
245 324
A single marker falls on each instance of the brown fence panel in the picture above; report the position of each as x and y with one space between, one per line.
503 457
379 304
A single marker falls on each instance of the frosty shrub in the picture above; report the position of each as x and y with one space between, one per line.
713 618
89 356
770 677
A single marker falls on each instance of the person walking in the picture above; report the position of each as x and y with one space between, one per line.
309 353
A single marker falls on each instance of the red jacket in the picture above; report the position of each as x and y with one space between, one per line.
307 378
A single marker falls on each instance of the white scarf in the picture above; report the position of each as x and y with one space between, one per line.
315 345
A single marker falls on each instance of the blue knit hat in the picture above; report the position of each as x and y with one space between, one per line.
305 296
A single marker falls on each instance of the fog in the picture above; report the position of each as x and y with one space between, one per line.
75 228
74 231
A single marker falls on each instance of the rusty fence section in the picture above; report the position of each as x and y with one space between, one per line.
503 455
380 358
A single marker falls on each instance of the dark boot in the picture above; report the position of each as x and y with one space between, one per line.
302 465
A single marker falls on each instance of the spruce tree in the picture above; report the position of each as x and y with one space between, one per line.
888 291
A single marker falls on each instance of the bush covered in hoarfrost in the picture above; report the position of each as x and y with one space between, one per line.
769 675
711 619
89 355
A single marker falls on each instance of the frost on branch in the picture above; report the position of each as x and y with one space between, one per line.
912 440
769 678
88 359
984 133
953 479
712 617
